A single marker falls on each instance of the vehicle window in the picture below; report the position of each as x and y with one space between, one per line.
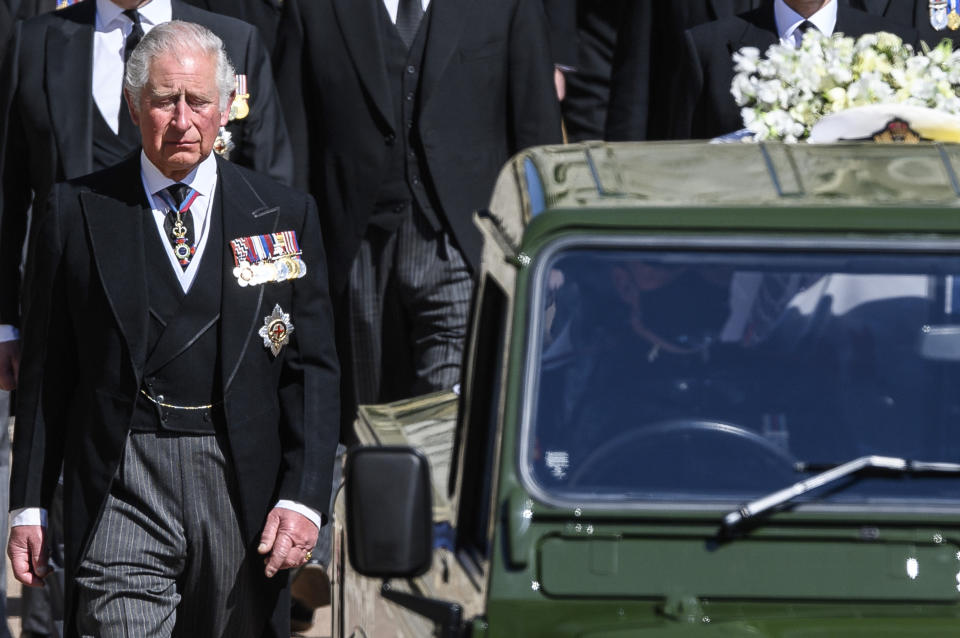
480 431
720 376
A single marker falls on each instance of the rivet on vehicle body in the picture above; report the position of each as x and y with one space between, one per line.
578 528
937 538
577 512
523 259
534 585
705 619
620 612
528 514
589 529
869 533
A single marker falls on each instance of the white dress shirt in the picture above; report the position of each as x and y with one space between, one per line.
109 41
788 21
392 6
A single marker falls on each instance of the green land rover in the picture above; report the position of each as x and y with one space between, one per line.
710 390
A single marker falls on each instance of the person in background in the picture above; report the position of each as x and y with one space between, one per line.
703 106
408 110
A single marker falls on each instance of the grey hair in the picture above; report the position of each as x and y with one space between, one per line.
177 38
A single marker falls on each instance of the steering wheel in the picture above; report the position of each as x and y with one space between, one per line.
718 441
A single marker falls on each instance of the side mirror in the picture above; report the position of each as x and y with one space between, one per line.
389 512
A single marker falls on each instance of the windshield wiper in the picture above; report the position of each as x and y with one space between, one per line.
888 463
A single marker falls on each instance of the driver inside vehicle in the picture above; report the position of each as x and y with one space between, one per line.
659 363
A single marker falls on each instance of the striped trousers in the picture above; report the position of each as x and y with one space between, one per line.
167 556
408 301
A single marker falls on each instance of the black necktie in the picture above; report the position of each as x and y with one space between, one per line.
136 34
805 26
180 236
409 13
125 128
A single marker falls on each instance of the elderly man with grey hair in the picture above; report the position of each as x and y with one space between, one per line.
178 363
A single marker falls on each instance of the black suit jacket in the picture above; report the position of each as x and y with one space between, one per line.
47 136
915 13
649 44
486 92
703 106
85 348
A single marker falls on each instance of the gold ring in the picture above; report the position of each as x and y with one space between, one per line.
308 556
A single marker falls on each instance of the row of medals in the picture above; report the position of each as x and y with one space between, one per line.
272 271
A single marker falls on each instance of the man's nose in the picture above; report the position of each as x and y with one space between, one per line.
181 115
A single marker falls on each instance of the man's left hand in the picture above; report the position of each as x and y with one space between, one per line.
287 538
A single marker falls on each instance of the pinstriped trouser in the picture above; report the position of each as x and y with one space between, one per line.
409 297
165 556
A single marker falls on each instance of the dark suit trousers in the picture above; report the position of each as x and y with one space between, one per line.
167 557
408 301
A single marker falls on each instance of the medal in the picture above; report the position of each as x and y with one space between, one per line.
276 330
182 249
938 14
240 109
262 259
953 20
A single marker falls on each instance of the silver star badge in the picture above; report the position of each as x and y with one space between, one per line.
276 330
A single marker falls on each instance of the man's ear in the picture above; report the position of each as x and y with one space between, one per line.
134 115
225 115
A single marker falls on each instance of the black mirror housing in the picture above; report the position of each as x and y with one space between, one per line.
389 511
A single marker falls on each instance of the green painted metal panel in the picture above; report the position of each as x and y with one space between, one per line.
748 568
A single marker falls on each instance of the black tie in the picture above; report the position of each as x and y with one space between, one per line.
125 128
805 26
136 34
181 235
409 13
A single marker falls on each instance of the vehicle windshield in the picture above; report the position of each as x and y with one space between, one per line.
685 375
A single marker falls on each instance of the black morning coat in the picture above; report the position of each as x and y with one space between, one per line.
84 336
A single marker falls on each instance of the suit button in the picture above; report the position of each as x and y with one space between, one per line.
390 138
410 96
163 417
411 69
412 155
416 181
160 397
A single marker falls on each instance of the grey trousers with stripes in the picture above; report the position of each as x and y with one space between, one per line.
409 297
167 555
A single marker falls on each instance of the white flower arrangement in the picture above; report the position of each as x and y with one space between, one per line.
783 93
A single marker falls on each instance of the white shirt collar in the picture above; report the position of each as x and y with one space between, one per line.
110 16
788 20
202 178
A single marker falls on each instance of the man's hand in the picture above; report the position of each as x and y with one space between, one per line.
9 364
287 537
27 550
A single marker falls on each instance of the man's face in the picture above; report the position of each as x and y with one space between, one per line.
180 113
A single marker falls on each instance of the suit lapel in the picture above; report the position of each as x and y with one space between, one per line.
69 93
879 7
245 214
358 22
446 24
115 225
760 30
